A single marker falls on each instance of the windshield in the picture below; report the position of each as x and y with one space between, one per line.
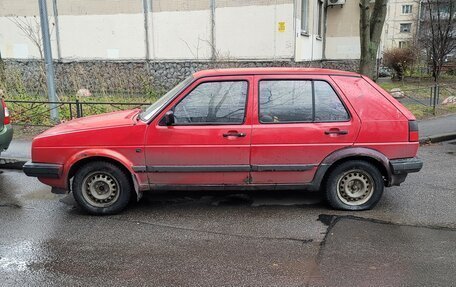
155 107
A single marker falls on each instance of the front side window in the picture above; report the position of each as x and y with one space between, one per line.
288 101
213 103
406 27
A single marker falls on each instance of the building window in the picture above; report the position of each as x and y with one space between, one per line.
320 18
406 27
403 44
406 9
305 16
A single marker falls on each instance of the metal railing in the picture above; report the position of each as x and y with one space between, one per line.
36 113
434 96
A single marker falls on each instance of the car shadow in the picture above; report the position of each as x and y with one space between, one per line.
170 200
231 198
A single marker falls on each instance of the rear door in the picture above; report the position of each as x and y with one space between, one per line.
297 122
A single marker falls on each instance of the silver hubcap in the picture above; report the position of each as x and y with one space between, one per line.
355 187
100 189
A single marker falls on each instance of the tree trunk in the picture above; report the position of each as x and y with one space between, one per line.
364 35
370 31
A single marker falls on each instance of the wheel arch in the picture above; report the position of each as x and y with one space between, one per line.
374 157
81 159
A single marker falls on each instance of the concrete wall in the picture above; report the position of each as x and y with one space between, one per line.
175 29
342 32
131 45
134 76
252 32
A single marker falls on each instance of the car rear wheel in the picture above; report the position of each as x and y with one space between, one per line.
354 185
101 188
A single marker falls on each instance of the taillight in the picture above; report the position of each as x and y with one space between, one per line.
6 119
413 131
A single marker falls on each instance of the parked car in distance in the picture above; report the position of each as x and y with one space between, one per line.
257 128
6 129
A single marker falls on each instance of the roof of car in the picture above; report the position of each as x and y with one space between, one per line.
272 71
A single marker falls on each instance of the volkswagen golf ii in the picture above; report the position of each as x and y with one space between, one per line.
258 128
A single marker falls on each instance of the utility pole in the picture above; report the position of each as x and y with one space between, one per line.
213 50
48 61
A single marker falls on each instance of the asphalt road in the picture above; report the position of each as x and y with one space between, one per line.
213 238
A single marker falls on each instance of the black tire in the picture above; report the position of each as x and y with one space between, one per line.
354 185
94 178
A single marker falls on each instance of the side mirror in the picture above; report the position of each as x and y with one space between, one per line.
169 118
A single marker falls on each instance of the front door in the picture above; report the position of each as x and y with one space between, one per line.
297 122
209 143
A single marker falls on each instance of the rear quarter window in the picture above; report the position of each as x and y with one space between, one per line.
368 103
328 107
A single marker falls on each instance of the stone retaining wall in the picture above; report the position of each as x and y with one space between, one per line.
132 77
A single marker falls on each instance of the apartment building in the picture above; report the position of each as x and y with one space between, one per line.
401 23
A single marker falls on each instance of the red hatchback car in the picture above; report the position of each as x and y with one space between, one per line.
258 128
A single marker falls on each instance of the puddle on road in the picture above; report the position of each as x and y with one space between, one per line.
20 257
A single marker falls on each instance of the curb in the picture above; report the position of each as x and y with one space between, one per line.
438 138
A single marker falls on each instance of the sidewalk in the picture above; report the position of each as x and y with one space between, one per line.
437 126
18 149
432 130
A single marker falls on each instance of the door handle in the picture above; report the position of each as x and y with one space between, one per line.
234 134
336 132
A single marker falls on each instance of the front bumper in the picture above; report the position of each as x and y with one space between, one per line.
43 170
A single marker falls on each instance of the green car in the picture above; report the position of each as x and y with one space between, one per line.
6 129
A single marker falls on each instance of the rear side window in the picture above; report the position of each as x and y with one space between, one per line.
213 103
285 101
288 101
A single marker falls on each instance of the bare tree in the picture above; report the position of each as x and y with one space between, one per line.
30 28
437 32
370 30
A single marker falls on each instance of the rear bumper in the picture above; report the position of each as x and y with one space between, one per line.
43 170
406 165
400 168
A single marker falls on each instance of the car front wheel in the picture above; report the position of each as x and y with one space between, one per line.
354 185
101 188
